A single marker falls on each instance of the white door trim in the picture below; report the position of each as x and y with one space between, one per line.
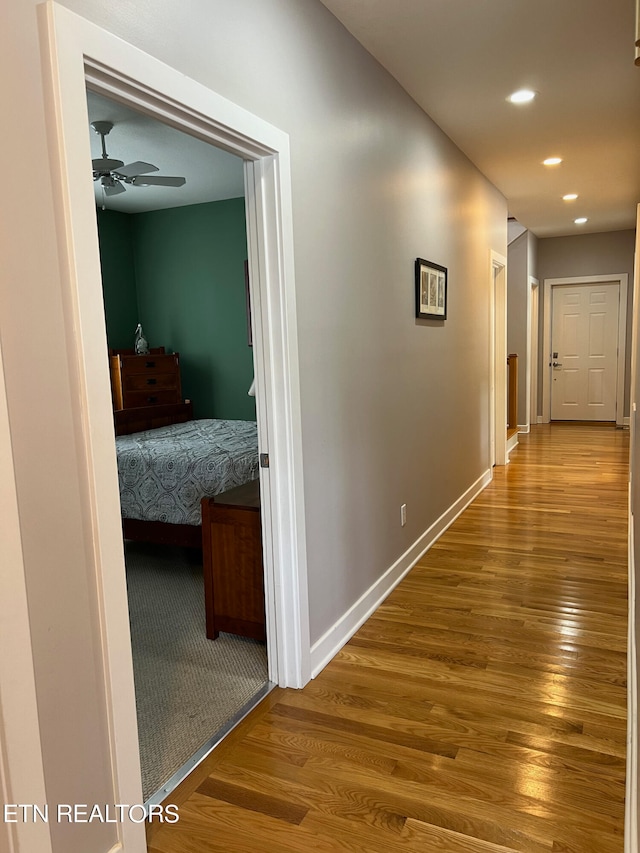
631 788
631 781
549 283
498 360
531 377
21 766
79 52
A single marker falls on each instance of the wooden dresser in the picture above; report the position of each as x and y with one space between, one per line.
145 380
232 557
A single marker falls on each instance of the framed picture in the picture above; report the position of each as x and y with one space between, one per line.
431 290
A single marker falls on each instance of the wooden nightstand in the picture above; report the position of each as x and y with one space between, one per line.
232 560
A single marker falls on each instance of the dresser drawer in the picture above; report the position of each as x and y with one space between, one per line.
134 364
133 399
150 382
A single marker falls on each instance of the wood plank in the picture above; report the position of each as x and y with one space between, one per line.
256 801
436 838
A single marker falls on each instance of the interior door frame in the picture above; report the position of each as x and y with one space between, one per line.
22 778
498 360
533 350
631 789
79 54
622 279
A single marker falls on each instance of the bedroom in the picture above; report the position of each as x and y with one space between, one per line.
176 263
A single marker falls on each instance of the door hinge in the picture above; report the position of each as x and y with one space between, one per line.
264 460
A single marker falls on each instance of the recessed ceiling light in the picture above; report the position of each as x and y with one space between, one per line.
581 220
522 96
570 197
552 161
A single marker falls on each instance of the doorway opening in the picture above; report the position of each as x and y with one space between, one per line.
173 254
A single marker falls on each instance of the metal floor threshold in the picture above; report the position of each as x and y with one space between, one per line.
207 747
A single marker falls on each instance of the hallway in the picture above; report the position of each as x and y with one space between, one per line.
482 709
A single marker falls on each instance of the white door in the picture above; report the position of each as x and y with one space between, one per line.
584 352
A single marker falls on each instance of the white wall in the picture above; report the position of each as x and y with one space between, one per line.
394 410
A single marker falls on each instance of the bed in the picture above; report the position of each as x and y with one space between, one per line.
168 462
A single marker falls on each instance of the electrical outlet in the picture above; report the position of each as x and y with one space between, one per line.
403 515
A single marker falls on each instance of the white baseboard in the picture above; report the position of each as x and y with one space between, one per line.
523 428
341 632
511 443
626 422
539 419
631 795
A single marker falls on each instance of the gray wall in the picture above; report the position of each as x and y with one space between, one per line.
375 184
589 254
586 254
517 285
393 410
517 270
522 263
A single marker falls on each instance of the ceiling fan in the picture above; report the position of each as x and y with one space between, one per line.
113 174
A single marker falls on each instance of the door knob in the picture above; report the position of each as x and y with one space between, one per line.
557 364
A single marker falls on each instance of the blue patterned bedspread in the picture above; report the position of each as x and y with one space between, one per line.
165 472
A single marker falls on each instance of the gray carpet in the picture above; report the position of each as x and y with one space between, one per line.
187 687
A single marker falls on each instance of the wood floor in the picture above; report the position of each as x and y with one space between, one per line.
480 710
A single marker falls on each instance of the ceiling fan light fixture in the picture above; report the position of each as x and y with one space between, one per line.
522 96
570 197
552 161
581 220
113 174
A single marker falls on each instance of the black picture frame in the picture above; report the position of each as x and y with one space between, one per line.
431 290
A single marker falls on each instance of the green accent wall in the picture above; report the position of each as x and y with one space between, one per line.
189 293
118 277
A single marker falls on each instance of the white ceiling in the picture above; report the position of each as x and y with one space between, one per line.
212 174
460 59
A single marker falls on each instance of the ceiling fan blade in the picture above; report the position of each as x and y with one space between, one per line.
156 181
114 189
131 170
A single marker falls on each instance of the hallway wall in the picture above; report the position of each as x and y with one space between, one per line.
522 264
394 410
